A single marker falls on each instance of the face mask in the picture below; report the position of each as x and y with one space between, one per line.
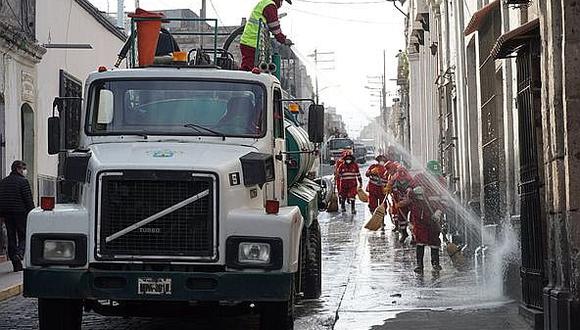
25 172
349 161
382 163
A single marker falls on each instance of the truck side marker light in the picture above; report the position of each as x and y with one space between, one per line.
102 68
256 70
272 206
47 203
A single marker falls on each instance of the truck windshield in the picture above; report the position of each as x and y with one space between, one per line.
168 107
340 143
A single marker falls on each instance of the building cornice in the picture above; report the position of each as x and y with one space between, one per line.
19 42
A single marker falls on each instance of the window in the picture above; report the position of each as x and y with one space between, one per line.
165 107
278 115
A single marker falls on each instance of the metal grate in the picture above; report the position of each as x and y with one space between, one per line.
533 238
127 199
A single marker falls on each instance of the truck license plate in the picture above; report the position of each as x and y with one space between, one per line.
154 286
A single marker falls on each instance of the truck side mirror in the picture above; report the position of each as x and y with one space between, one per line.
53 135
316 123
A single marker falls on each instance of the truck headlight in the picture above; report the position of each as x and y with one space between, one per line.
254 253
58 250
52 249
246 252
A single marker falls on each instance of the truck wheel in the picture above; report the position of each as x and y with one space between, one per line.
278 315
312 271
60 314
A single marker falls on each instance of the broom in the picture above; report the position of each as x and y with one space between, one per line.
332 203
362 195
376 221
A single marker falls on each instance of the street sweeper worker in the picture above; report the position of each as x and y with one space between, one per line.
425 229
377 182
433 184
347 151
350 181
397 186
266 11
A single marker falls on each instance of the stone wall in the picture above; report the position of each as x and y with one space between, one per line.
561 126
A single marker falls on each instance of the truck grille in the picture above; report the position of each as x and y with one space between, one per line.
130 197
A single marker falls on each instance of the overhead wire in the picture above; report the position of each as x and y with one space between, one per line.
324 2
341 18
218 16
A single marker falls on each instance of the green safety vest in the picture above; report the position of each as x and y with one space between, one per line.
250 35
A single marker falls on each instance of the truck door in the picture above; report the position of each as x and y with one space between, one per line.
279 148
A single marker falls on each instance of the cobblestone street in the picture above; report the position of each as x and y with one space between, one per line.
368 283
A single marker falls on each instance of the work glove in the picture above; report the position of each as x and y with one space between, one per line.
288 42
387 189
438 216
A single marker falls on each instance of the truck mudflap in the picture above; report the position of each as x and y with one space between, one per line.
161 286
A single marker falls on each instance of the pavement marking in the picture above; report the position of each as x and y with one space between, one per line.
10 292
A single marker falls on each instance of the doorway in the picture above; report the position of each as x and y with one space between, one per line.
28 150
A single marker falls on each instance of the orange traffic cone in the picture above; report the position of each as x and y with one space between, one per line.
147 35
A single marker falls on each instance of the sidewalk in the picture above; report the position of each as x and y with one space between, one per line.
10 282
493 318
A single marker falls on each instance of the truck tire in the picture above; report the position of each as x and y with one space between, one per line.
278 315
312 271
62 314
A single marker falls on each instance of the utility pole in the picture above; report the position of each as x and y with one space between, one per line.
318 60
203 13
120 14
137 4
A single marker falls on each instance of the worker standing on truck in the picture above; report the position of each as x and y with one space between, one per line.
350 180
375 188
265 11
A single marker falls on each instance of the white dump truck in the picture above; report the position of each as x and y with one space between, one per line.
190 190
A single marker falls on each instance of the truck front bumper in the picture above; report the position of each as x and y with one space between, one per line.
123 285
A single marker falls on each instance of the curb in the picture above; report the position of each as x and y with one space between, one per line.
10 292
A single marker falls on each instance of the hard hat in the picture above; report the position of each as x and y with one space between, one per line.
434 168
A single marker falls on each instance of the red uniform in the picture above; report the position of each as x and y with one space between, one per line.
349 175
376 174
400 182
425 231
433 187
336 166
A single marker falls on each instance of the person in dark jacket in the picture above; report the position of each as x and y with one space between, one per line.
15 204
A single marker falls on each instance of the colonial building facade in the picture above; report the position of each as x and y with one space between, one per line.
493 94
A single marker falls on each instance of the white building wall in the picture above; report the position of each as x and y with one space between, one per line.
65 21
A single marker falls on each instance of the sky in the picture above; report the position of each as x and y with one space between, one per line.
356 31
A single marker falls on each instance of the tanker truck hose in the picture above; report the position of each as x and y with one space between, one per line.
236 33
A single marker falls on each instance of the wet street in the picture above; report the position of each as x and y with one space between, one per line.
368 282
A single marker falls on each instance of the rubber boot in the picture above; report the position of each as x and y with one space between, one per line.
404 235
352 207
435 260
420 254
342 205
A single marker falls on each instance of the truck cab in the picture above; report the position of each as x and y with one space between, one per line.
190 189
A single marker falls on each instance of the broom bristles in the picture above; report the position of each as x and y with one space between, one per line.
376 221
332 204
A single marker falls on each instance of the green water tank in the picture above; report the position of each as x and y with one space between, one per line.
300 158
